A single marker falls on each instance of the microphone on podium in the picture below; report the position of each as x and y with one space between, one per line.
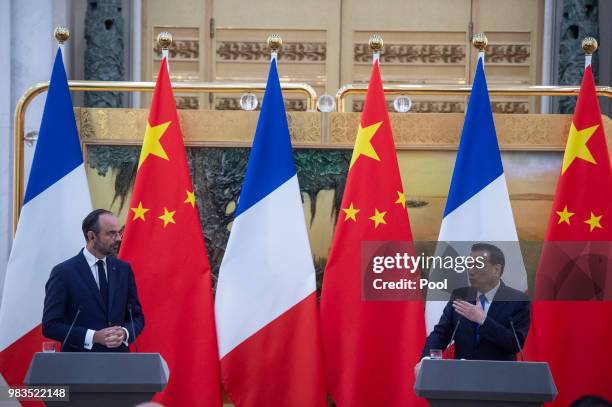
70 329
518 344
133 330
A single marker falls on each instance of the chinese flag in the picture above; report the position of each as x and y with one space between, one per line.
370 346
163 242
570 323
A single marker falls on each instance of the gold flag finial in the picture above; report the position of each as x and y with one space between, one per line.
480 41
275 42
589 45
61 34
164 39
376 42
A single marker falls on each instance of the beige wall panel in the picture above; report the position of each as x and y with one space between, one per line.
422 22
426 41
183 18
311 38
420 15
187 20
514 29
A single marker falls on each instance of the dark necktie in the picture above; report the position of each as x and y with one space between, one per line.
482 300
103 282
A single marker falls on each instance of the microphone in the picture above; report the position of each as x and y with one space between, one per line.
133 330
452 337
518 344
70 329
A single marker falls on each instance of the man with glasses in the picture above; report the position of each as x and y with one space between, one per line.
95 290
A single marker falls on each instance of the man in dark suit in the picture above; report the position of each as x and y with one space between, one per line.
484 312
98 284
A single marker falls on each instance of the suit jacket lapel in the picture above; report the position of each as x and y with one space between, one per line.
86 275
498 301
466 324
473 299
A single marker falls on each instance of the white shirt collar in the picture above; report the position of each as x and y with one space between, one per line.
91 259
489 295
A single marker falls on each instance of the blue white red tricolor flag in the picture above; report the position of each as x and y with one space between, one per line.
478 206
266 302
49 231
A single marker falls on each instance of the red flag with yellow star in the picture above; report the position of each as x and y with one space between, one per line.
371 344
572 312
163 242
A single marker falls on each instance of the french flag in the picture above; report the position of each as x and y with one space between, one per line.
266 301
49 231
478 206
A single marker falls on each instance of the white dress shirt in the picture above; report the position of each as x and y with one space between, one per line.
91 262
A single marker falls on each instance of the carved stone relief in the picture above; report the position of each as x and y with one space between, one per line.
104 50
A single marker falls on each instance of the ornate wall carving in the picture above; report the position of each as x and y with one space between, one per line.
442 54
258 51
184 58
412 53
508 53
187 102
580 18
104 50
181 48
510 107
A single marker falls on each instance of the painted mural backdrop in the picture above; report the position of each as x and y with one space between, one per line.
217 175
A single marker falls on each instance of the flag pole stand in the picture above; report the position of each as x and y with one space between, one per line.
589 46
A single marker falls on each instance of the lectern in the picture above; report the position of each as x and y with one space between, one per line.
100 379
475 383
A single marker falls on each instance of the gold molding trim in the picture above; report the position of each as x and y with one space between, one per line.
128 125
441 131
228 103
421 106
450 106
506 107
437 131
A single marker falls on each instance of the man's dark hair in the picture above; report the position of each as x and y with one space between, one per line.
91 221
591 401
496 256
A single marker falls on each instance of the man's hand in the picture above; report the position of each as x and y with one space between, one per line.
473 312
111 337
417 367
